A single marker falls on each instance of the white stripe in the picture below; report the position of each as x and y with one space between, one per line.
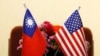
67 42
83 33
80 33
62 44
79 42
84 39
71 38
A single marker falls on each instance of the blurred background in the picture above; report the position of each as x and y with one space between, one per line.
56 11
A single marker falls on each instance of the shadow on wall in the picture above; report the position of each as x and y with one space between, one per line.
16 35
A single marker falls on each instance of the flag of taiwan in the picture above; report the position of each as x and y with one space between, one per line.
33 42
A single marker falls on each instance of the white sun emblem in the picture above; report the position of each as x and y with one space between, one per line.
29 22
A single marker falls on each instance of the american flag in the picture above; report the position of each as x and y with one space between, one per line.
71 38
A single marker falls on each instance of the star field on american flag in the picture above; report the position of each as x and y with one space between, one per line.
74 22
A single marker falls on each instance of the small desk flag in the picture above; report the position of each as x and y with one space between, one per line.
71 38
33 42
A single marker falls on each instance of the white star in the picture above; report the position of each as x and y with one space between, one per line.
29 22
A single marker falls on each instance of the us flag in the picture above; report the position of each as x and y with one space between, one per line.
70 37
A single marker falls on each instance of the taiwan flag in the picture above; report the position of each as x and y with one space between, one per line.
33 42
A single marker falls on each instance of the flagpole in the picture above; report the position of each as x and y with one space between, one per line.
25 6
45 54
79 8
56 51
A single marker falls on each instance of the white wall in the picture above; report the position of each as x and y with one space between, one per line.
56 11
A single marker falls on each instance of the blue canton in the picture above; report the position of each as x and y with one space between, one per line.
74 22
29 25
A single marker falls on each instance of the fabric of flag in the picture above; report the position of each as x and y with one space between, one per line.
33 42
70 37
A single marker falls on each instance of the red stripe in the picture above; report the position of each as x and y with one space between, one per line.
59 44
82 31
84 38
65 43
82 41
78 45
70 42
